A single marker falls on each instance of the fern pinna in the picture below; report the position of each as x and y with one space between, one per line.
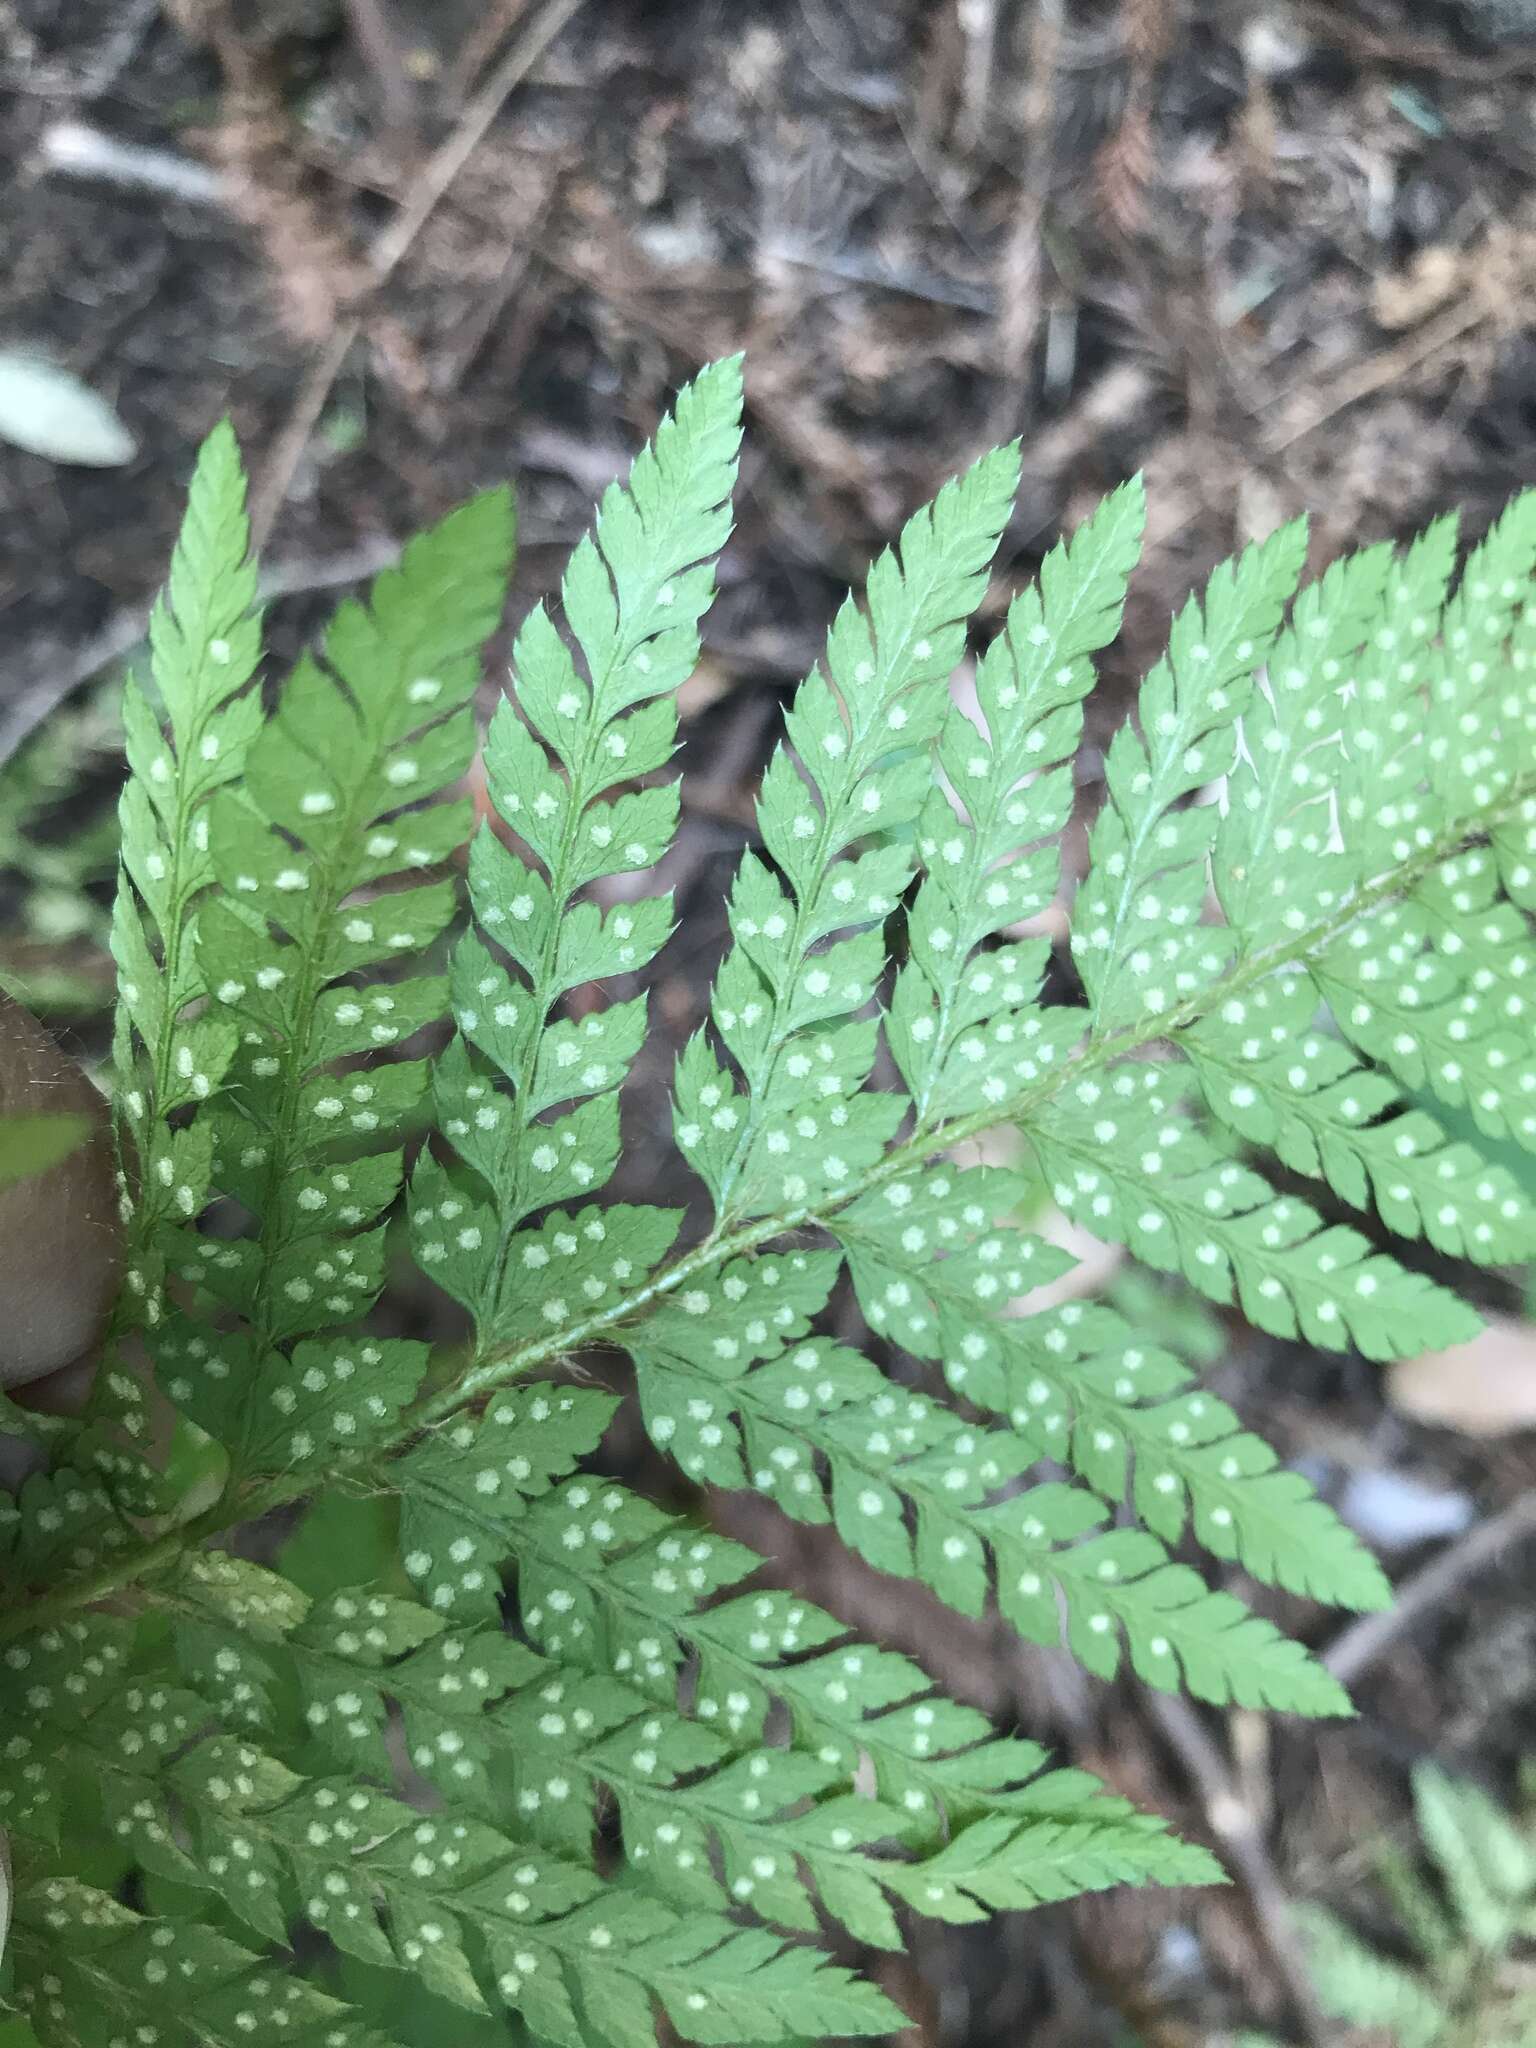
576 1758
1464 1910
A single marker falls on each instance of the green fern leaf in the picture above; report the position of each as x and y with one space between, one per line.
1126 1160
1364 1989
1305 912
813 1405
1281 1082
330 813
1278 866
1138 940
205 640
951 1007
607 1585
171 1056
1488 1865
854 775
633 596
87 1965
1078 1388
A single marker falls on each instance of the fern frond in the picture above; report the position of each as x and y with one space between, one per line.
483 1919
1488 1864
632 596
456 1903
1278 865
340 805
855 774
951 1006
1427 1019
1079 1387
1139 942
88 1967
205 641
622 1598
1304 912
920 1493
965 1035
1357 1985
1125 1158
171 1052
1286 1082
219 1812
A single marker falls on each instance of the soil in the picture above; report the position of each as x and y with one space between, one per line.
1277 256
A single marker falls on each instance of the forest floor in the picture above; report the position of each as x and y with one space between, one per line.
1277 256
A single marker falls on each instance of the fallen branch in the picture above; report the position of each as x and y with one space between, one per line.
390 249
1242 1847
1367 1640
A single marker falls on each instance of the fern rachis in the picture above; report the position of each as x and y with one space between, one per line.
278 933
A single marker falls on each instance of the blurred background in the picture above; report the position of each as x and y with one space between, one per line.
1278 256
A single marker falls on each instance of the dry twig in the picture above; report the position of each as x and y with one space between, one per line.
393 245
74 149
1331 24
1361 380
1018 284
379 42
978 25
499 19
1367 1640
1243 1848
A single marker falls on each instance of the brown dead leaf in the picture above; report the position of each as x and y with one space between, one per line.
1485 1388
